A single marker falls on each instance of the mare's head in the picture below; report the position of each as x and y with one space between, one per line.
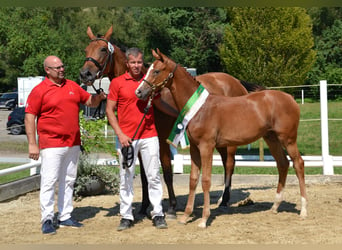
158 76
99 54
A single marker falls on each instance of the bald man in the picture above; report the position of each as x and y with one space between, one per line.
54 104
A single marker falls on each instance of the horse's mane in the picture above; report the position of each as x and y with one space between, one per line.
252 87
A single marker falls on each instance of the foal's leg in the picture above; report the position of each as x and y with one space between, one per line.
298 165
282 165
194 177
206 159
228 163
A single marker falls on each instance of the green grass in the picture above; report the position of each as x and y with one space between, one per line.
252 170
309 132
14 176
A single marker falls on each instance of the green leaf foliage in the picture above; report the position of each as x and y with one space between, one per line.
269 46
92 136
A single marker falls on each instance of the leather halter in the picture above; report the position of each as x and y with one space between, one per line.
163 83
110 52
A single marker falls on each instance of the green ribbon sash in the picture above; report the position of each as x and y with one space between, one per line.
195 102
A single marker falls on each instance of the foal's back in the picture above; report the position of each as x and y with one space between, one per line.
242 120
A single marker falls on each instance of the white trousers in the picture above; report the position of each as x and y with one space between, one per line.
58 165
149 150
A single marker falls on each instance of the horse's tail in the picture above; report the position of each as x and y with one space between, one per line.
252 87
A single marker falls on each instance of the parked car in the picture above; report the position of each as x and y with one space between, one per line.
9 100
15 123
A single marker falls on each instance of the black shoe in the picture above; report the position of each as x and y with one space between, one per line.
125 224
48 228
159 222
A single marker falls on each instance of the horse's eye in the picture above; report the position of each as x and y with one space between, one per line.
156 72
103 50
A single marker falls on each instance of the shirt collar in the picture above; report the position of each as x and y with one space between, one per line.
54 84
129 77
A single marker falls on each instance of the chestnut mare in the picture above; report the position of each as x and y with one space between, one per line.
101 61
229 121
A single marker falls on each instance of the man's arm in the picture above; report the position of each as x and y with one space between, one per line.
30 127
94 100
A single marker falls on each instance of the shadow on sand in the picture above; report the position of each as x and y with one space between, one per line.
240 203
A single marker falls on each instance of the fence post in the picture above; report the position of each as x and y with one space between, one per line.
328 168
178 164
35 170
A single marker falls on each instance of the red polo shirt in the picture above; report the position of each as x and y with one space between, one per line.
57 111
130 109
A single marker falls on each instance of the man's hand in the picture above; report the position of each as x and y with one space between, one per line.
33 151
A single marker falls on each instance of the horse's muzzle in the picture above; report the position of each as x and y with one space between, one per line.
87 77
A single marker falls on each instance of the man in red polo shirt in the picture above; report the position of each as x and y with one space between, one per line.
130 111
54 103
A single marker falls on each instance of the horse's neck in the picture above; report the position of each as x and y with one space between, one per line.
182 87
118 64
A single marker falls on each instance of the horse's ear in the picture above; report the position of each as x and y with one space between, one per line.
109 33
158 51
158 55
155 55
90 33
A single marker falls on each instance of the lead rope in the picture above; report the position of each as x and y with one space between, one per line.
128 151
99 108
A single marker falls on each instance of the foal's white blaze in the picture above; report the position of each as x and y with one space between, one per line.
146 76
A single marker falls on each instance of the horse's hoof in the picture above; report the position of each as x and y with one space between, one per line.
303 215
181 223
202 224
143 212
141 216
183 220
223 209
274 210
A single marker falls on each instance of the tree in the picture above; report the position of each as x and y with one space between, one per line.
190 36
29 35
269 46
328 43
323 18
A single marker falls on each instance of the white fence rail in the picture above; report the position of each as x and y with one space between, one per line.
33 166
181 160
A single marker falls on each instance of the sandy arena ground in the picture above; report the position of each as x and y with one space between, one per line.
245 223
250 223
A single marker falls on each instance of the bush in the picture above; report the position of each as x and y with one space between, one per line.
93 179
92 135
